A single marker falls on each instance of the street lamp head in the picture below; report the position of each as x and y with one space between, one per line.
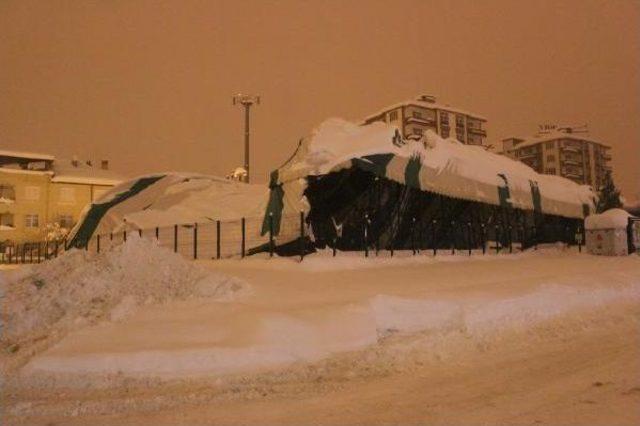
244 99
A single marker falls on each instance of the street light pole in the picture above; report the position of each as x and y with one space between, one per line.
246 101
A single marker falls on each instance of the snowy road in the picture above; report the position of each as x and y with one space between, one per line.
546 338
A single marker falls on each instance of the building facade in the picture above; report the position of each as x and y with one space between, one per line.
38 191
562 152
415 117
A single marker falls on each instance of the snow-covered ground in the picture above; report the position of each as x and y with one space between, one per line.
546 336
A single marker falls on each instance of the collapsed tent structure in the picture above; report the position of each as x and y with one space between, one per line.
354 187
367 186
165 200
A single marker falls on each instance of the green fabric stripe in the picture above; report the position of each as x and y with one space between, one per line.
412 172
535 197
97 211
503 192
274 207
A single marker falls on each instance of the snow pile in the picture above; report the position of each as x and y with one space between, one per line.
78 289
611 219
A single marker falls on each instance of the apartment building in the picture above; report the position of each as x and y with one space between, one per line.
560 151
37 190
415 117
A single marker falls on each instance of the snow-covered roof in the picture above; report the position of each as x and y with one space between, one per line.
180 198
552 136
610 219
66 172
26 155
446 167
424 104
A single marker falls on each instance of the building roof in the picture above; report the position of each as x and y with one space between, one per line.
552 136
425 104
66 172
22 155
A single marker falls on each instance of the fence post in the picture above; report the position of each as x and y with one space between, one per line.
195 241
510 239
302 242
140 232
56 248
175 238
453 237
364 235
98 243
433 237
469 237
124 236
270 234
217 239
157 233
111 236
30 253
39 252
243 228
413 235
580 237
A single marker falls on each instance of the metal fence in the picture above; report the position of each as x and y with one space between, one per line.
246 236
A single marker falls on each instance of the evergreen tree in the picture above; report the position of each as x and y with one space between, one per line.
609 195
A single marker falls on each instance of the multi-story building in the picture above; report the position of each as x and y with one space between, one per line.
560 151
37 190
415 117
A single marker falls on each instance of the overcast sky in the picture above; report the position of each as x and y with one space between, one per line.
148 84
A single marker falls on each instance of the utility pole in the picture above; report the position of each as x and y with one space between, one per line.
246 101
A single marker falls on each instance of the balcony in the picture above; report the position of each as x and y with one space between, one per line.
572 173
571 148
571 160
420 120
475 131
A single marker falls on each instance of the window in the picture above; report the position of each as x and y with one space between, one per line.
393 115
7 193
417 131
444 118
67 195
31 221
551 158
416 114
551 171
66 221
32 193
6 221
460 120
550 145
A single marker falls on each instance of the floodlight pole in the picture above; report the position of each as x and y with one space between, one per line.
246 101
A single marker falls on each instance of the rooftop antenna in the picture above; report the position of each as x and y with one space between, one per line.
246 101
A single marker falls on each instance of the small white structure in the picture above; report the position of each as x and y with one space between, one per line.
607 233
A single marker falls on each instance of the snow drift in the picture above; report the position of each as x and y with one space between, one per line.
78 289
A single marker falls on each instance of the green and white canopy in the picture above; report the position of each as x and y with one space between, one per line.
441 166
